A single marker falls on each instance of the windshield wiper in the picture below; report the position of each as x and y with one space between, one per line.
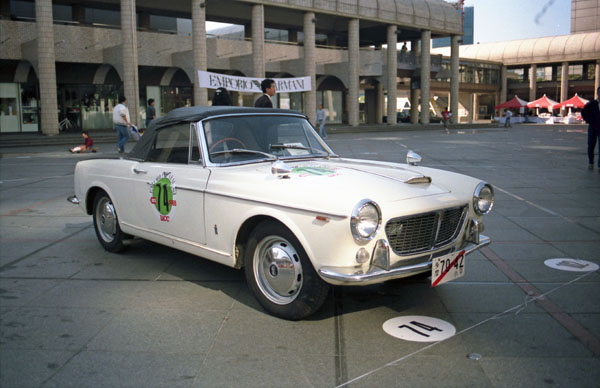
299 147
244 151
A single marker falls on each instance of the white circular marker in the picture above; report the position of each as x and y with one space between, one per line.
573 265
419 328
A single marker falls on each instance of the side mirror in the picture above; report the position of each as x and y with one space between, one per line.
413 158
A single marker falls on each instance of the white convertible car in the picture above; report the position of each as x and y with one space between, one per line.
259 189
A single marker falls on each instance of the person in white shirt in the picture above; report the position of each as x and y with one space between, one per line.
508 116
321 118
122 123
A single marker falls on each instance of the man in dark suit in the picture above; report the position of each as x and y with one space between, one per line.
591 114
268 88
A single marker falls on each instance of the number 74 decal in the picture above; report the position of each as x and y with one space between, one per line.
163 193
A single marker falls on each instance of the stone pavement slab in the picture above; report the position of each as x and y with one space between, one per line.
73 315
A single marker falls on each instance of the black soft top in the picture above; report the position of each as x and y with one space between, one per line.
190 115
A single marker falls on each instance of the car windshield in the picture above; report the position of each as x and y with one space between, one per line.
250 138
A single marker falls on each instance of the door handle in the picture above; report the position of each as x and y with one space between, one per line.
140 171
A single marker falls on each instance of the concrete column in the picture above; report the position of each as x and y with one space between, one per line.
503 87
258 41
532 82
392 72
564 83
414 87
471 108
597 79
353 72
310 97
454 79
199 49
425 74
130 58
46 67
475 106
380 102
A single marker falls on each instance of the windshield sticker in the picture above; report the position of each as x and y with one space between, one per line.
163 192
315 170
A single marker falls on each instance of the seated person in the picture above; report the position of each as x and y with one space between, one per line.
87 146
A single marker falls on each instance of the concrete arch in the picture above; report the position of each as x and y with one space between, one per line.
22 72
329 80
169 75
101 73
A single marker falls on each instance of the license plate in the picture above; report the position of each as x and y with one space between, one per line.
447 268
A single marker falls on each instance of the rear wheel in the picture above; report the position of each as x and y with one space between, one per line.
106 223
280 275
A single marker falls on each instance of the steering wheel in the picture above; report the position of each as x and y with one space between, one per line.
232 139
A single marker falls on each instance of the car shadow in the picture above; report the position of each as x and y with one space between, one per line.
399 295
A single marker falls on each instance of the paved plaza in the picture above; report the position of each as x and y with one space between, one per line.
74 315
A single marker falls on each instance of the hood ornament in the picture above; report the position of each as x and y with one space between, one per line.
280 169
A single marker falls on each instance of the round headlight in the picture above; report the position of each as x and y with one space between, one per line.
483 198
365 220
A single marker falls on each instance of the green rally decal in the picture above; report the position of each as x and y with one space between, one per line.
163 192
164 196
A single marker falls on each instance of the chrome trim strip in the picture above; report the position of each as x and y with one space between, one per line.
190 189
350 275
321 212
181 240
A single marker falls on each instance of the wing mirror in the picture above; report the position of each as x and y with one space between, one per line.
413 158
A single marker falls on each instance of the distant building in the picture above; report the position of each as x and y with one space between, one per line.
467 29
585 16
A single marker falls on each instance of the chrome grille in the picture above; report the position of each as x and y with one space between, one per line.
423 232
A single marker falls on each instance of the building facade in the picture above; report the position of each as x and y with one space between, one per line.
63 63
557 66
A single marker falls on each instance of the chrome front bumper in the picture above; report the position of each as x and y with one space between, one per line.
358 277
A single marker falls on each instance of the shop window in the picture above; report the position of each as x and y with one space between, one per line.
86 107
516 75
543 74
332 101
9 112
19 108
30 108
575 72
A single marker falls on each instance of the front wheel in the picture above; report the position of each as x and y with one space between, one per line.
106 224
280 275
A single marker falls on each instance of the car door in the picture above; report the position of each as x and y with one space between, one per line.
169 186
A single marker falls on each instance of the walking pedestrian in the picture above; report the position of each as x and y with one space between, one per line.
446 114
122 123
268 88
150 112
508 115
591 115
321 118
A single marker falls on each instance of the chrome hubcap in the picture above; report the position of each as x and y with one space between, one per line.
106 219
277 269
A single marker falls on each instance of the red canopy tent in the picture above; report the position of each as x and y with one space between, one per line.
574 102
544 102
513 103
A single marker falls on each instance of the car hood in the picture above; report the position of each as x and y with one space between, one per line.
335 185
